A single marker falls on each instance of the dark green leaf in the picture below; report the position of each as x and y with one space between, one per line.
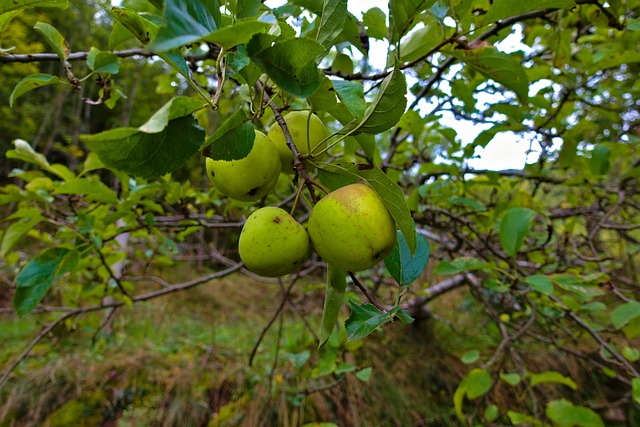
35 279
514 228
240 32
501 9
365 319
325 97
187 21
31 82
352 96
403 267
501 67
167 140
233 140
333 300
9 5
385 110
403 13
599 162
334 12
292 64
404 316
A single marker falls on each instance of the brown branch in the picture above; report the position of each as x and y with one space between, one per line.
366 293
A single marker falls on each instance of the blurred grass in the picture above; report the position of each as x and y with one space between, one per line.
182 360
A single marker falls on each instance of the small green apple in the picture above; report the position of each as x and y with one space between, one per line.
351 229
250 178
272 243
297 122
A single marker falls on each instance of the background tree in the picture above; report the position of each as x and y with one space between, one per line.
525 280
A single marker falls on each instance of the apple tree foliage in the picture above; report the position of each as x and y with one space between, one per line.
549 252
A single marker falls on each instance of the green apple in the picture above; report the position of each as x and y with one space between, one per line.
250 178
351 229
298 122
272 243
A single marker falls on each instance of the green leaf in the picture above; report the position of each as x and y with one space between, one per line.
478 383
364 375
470 357
247 8
334 13
54 38
9 5
491 413
102 62
325 97
540 283
187 21
501 9
501 67
92 188
514 228
552 377
141 28
600 159
385 110
459 265
35 279
163 144
420 42
518 418
635 390
625 313
403 13
16 231
375 21
292 64
240 32
511 379
352 96
403 267
31 82
395 202
365 319
565 414
333 300
233 140
631 354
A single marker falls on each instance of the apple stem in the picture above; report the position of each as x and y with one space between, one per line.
298 164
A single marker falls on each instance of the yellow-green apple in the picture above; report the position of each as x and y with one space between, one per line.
250 178
307 132
351 229
272 243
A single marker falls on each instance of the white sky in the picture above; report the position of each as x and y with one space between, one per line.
505 151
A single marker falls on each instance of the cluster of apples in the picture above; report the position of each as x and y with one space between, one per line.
349 228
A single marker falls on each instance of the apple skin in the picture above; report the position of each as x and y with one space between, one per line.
250 178
297 125
272 243
351 229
